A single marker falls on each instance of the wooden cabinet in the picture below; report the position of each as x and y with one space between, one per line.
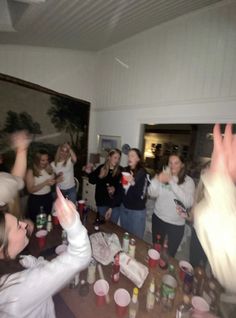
88 194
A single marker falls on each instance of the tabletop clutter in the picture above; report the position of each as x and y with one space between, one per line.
200 292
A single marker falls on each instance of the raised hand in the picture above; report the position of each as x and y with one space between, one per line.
65 209
20 140
224 152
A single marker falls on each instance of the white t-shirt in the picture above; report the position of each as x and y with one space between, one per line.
27 294
68 173
43 177
165 207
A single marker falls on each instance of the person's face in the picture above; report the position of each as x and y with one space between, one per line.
114 159
16 235
43 163
175 165
133 159
64 153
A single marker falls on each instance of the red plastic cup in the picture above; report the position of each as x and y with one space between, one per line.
81 206
101 289
41 236
122 300
184 267
153 258
199 305
55 219
124 180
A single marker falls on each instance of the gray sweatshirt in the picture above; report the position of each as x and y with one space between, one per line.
28 293
165 207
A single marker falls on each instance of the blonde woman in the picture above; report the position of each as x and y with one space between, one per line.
107 179
27 284
39 180
63 167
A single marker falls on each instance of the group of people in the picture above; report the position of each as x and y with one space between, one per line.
42 176
27 283
129 204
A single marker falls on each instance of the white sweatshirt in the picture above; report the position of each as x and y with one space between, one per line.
28 293
165 207
215 224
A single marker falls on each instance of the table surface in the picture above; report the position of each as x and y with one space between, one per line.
85 307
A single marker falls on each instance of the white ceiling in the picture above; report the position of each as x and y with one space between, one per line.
88 24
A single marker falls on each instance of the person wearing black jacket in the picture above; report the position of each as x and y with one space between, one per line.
133 208
107 193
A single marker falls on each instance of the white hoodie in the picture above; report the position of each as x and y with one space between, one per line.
165 207
28 293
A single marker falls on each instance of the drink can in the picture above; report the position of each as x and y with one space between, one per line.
41 220
132 248
125 244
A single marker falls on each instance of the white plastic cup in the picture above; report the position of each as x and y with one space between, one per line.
200 305
122 300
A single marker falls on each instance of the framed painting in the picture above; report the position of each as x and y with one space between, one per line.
106 143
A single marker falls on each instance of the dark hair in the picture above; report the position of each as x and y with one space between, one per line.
182 173
139 164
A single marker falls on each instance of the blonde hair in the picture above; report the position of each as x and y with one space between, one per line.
35 168
106 166
57 156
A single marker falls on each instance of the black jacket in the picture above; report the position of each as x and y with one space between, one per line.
135 198
101 194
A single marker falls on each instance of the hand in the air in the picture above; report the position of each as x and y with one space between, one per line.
65 210
224 152
20 140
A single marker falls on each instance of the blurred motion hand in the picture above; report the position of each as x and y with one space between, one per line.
108 214
20 140
65 210
164 177
102 173
224 152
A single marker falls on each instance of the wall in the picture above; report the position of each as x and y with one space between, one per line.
65 71
183 71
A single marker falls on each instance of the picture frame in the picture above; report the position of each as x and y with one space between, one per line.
106 143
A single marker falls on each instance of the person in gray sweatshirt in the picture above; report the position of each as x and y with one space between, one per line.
170 185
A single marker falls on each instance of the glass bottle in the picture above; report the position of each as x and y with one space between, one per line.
49 223
184 308
134 304
97 222
163 262
157 245
115 275
151 296
83 288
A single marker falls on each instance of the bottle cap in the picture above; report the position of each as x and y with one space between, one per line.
135 291
186 299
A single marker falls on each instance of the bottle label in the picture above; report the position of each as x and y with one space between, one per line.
116 277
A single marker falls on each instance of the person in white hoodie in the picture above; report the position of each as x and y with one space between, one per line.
28 292
166 187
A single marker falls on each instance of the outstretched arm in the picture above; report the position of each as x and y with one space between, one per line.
215 215
20 142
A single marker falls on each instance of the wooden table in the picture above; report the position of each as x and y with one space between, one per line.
85 307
